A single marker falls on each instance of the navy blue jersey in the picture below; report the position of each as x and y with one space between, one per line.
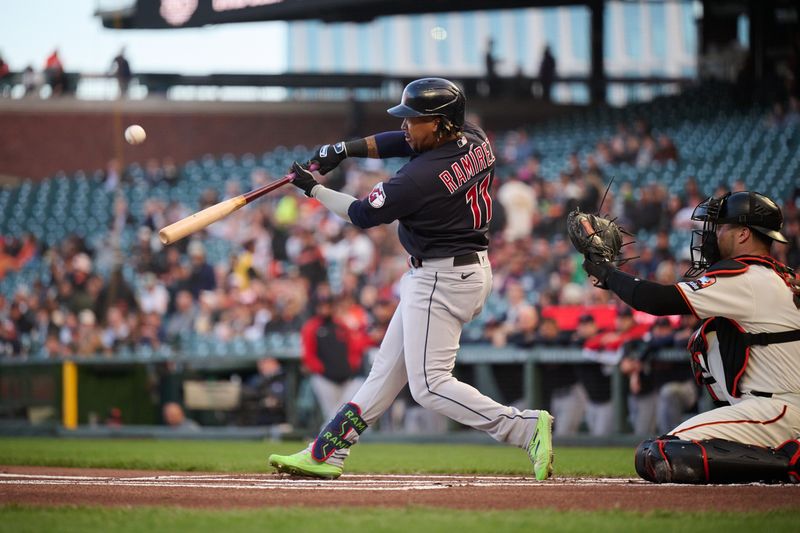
440 197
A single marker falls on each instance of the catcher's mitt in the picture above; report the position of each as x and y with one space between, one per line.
597 238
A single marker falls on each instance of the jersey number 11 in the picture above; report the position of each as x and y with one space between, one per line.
480 189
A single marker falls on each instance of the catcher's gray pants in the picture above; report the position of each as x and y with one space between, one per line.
420 348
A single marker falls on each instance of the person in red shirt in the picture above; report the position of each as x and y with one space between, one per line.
54 74
332 353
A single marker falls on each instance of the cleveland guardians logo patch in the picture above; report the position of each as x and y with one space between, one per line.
701 283
377 197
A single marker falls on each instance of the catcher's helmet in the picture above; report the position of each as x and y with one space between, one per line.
432 97
744 208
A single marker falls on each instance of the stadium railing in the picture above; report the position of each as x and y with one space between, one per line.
31 384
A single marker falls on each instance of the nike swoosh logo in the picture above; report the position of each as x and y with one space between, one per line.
465 276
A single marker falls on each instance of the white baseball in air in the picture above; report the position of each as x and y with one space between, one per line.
135 134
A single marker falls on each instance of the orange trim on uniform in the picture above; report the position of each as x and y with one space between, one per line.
705 459
685 299
783 412
727 272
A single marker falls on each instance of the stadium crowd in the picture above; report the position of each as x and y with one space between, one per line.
286 251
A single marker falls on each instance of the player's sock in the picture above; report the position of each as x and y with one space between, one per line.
333 443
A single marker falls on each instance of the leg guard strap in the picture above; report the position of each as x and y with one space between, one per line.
340 433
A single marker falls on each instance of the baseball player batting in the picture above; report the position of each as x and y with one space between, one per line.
746 351
442 202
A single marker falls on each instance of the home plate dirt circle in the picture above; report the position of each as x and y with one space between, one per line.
66 486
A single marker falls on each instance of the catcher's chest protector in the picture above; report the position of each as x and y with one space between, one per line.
720 348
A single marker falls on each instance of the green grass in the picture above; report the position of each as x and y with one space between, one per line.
21 519
248 456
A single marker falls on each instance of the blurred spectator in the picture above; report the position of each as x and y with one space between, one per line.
264 395
665 150
777 117
121 70
174 417
181 321
355 252
16 253
201 274
113 175
5 78
547 73
307 255
490 61
30 80
152 296
114 418
243 268
10 344
88 341
519 201
170 172
116 293
116 334
148 334
144 258
287 317
54 74
332 353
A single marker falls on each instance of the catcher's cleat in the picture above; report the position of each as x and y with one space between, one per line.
302 464
540 448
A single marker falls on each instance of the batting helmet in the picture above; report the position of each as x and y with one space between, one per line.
432 97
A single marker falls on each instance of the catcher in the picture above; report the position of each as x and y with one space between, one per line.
746 352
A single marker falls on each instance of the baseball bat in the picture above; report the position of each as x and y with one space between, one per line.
197 221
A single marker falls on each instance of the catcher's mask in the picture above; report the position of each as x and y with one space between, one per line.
744 208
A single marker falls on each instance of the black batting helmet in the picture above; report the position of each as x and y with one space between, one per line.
432 97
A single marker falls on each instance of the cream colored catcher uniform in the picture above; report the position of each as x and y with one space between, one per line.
764 394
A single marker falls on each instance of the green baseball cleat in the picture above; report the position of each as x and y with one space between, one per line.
540 448
302 464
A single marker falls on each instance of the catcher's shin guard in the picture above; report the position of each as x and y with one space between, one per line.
672 460
340 433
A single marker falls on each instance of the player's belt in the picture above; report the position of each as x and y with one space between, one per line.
471 258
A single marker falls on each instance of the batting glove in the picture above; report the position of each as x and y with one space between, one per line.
303 178
328 156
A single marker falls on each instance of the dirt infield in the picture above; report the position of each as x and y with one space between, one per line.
68 486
